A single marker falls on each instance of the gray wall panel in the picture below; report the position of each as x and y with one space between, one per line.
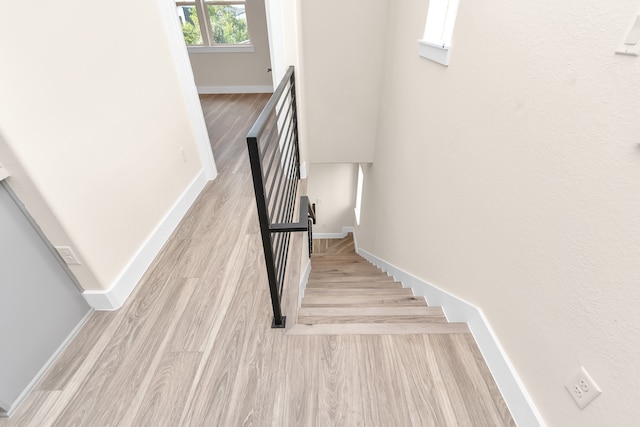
39 303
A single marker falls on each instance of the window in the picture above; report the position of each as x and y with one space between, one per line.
438 32
359 194
213 23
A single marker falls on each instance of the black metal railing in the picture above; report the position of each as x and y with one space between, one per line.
275 166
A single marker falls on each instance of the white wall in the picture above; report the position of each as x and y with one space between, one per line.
284 19
332 187
522 161
283 33
246 71
342 58
93 120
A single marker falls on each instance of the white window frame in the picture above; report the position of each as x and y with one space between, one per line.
359 194
438 33
208 44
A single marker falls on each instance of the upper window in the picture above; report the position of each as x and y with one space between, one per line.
213 23
438 32
359 194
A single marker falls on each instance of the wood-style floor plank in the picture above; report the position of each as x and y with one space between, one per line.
380 382
192 345
61 372
116 378
167 394
296 398
417 382
339 397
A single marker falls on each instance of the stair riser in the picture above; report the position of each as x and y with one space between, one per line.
315 320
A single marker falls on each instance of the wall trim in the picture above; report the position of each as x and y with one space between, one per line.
436 53
210 90
235 48
303 282
303 170
345 231
114 297
456 309
16 404
4 173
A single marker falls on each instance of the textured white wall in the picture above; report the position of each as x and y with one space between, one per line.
335 185
342 59
239 68
521 160
93 119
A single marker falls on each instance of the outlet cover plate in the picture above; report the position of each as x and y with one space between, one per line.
4 173
68 256
582 388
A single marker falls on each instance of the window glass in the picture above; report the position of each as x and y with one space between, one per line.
214 22
188 16
359 194
228 24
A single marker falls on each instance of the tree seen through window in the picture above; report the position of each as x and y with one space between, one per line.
227 24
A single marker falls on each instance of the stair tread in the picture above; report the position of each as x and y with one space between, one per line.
379 329
347 268
313 284
371 311
329 272
391 291
385 314
331 277
372 301
317 320
343 263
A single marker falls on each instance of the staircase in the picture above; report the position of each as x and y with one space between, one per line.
347 295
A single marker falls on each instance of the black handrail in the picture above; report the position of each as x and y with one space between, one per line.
275 167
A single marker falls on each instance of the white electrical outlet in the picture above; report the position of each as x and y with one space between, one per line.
4 173
68 255
582 388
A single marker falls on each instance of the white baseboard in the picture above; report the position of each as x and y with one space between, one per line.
9 412
303 282
513 391
210 90
114 297
345 231
303 170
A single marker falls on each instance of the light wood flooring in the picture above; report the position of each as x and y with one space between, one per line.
193 346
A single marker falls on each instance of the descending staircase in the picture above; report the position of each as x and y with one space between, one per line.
346 294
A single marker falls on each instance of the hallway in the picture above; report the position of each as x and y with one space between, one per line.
193 344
